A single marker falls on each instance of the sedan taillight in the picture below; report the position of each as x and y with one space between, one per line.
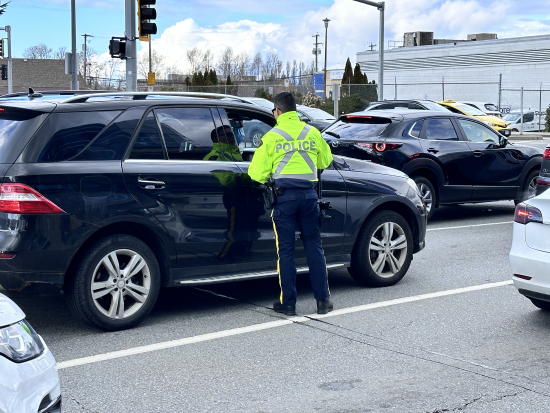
527 213
22 199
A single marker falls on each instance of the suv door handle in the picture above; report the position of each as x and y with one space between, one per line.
432 150
477 154
151 183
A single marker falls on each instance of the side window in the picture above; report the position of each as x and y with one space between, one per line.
478 133
65 135
230 134
112 143
189 133
413 130
249 127
529 117
441 130
148 144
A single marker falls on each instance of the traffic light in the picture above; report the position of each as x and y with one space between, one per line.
4 72
146 13
117 48
1 47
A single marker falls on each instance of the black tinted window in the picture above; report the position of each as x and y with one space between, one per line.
112 143
17 126
65 135
441 129
413 130
189 133
148 143
352 127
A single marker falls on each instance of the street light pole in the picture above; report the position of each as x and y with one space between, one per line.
74 79
326 20
381 7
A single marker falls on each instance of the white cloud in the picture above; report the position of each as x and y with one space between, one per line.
353 26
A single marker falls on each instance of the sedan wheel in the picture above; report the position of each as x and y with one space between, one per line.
256 139
383 251
115 284
388 249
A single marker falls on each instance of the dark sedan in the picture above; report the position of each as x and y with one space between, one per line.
452 158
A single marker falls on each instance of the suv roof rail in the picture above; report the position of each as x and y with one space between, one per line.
144 95
56 92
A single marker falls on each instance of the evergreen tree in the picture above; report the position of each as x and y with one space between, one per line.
547 125
228 81
357 78
187 81
348 73
194 79
200 79
212 77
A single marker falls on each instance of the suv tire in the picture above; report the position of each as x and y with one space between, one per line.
529 186
377 260
427 193
116 283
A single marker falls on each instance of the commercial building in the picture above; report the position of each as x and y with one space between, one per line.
480 68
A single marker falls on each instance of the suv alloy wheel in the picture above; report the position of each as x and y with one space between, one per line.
116 283
427 193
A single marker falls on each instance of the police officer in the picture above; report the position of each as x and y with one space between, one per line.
290 155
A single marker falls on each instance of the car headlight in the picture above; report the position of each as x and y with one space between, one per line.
19 342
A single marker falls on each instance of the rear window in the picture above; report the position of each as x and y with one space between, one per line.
17 126
353 127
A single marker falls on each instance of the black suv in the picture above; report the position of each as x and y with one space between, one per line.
452 158
112 196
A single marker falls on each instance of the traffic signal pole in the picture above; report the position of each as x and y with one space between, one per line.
131 49
10 79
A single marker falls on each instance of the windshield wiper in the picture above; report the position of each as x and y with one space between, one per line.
333 134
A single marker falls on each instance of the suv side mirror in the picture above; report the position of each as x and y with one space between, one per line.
503 141
304 119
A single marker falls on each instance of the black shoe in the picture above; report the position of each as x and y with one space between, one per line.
284 309
324 306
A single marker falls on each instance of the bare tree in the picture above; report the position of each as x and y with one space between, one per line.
40 51
240 65
59 53
226 63
272 66
112 67
157 61
256 66
194 57
207 60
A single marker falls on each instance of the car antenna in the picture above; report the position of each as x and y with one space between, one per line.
33 94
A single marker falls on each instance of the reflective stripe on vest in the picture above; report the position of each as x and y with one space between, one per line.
277 174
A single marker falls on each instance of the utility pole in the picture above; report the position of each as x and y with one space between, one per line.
131 55
326 20
316 50
74 79
84 49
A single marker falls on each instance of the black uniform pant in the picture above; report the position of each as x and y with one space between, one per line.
299 209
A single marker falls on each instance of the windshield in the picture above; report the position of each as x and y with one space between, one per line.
317 114
470 110
511 117
435 106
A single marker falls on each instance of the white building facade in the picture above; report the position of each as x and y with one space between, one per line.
489 70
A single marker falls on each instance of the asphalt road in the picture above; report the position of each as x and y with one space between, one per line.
453 335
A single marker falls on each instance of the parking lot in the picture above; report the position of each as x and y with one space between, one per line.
453 335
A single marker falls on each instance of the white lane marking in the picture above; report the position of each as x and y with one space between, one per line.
470 226
265 326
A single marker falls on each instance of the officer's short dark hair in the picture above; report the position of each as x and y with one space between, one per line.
285 102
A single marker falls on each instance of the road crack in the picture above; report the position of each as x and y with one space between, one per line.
477 399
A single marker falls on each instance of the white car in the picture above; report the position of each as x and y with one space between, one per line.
28 376
488 108
530 253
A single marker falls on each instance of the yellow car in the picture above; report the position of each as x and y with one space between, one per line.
464 109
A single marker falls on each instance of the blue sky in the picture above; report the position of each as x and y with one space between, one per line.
284 26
